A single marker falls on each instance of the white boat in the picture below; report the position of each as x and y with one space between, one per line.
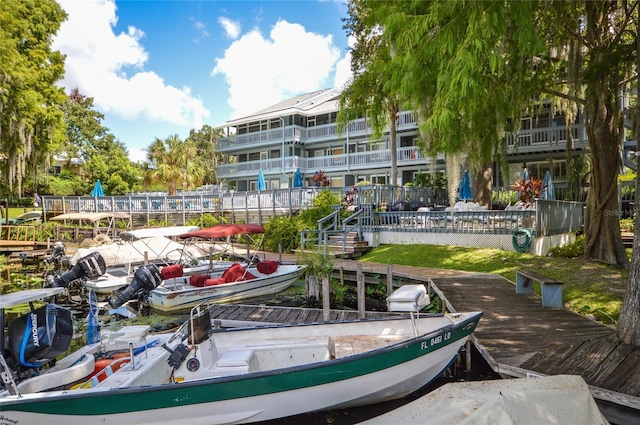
230 282
202 375
137 247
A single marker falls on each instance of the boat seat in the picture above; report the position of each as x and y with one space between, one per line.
235 362
57 378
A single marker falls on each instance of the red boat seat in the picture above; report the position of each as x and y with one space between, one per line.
172 271
236 273
198 279
214 281
267 266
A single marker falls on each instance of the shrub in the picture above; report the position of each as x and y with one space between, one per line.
284 231
573 250
322 206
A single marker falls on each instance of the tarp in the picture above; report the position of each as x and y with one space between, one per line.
123 254
297 179
262 184
561 399
97 189
548 191
168 232
464 188
224 230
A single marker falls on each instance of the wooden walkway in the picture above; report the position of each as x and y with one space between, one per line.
517 336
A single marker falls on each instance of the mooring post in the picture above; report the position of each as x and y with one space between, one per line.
326 298
389 279
360 290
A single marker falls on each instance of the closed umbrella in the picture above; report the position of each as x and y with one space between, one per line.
97 189
464 188
525 175
262 184
548 192
297 179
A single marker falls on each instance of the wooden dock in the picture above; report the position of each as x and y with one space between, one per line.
516 336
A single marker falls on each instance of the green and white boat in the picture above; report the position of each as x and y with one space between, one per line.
203 375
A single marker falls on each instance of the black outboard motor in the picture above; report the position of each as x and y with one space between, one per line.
145 279
89 267
58 257
41 335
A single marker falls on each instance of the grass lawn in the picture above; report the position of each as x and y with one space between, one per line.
589 288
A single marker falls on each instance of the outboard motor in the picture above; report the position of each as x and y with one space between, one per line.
58 256
89 267
145 279
41 335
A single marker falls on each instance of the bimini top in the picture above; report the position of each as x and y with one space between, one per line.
224 230
167 232
90 216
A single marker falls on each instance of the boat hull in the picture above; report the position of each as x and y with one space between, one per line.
379 375
169 297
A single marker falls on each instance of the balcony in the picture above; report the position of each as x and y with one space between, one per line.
306 135
354 161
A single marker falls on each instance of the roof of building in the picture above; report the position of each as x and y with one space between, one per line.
321 101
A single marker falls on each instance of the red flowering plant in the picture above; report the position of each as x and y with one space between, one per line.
527 190
320 179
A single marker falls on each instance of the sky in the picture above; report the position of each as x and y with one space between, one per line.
157 68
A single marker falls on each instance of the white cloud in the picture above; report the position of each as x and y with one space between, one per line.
263 71
343 67
137 155
231 28
110 68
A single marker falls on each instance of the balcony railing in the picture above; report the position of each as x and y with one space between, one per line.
409 155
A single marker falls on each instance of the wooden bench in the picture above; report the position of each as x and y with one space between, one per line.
550 289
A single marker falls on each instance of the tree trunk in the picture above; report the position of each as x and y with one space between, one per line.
313 287
393 146
603 241
629 321
482 186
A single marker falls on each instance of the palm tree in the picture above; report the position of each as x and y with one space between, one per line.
175 162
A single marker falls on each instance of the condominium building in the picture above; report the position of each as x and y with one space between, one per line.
302 132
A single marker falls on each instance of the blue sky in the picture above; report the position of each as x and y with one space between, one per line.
157 68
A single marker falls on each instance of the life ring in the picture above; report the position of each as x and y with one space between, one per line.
521 240
103 369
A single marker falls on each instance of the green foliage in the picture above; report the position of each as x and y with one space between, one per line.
208 220
66 184
176 163
627 224
317 263
435 181
30 98
322 206
573 250
205 141
283 231
158 223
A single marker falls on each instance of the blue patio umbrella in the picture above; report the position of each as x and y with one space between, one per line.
548 192
525 175
464 188
262 184
97 189
297 179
